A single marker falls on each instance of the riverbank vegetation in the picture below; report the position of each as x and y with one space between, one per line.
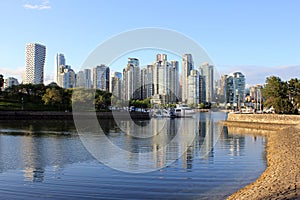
48 98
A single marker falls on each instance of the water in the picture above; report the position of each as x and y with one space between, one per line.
46 159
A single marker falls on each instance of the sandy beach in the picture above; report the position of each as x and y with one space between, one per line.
281 179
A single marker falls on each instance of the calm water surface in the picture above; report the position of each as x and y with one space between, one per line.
46 159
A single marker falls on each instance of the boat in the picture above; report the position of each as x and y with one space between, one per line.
183 110
157 113
169 113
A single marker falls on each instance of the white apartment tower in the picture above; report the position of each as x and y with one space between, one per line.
35 61
132 80
193 88
161 75
187 66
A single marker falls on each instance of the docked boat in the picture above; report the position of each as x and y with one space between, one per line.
169 113
184 111
157 113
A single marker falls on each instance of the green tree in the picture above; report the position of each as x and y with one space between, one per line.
1 80
99 103
275 94
52 97
202 106
294 93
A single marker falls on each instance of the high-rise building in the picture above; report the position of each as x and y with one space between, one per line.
35 61
83 79
66 77
165 80
221 89
235 89
116 84
255 93
132 80
207 71
239 85
80 79
87 78
59 60
9 82
101 77
193 87
161 75
174 81
187 66
202 89
230 90
256 96
147 81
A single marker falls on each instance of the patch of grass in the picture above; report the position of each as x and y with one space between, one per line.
10 105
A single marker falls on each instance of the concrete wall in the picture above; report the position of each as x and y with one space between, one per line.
265 118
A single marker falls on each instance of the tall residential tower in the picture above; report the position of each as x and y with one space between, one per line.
187 66
132 80
35 61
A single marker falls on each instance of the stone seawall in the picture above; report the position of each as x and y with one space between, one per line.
265 118
48 115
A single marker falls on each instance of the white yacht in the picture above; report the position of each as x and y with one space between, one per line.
183 110
169 113
156 113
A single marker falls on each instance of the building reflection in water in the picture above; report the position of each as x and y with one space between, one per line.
235 142
206 135
33 158
36 146
146 144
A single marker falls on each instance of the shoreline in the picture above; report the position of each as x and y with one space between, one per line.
56 115
281 178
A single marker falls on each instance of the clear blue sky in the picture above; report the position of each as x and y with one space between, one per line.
259 38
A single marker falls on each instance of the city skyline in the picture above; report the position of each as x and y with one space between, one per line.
261 37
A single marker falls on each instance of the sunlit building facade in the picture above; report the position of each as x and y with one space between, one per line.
35 61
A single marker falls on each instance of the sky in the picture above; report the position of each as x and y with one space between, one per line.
258 38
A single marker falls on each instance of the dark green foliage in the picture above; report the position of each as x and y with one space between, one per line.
282 96
140 103
50 97
1 80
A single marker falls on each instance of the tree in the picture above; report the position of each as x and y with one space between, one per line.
1 82
275 94
294 93
99 102
202 106
52 97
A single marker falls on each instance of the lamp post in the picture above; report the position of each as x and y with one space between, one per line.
22 102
